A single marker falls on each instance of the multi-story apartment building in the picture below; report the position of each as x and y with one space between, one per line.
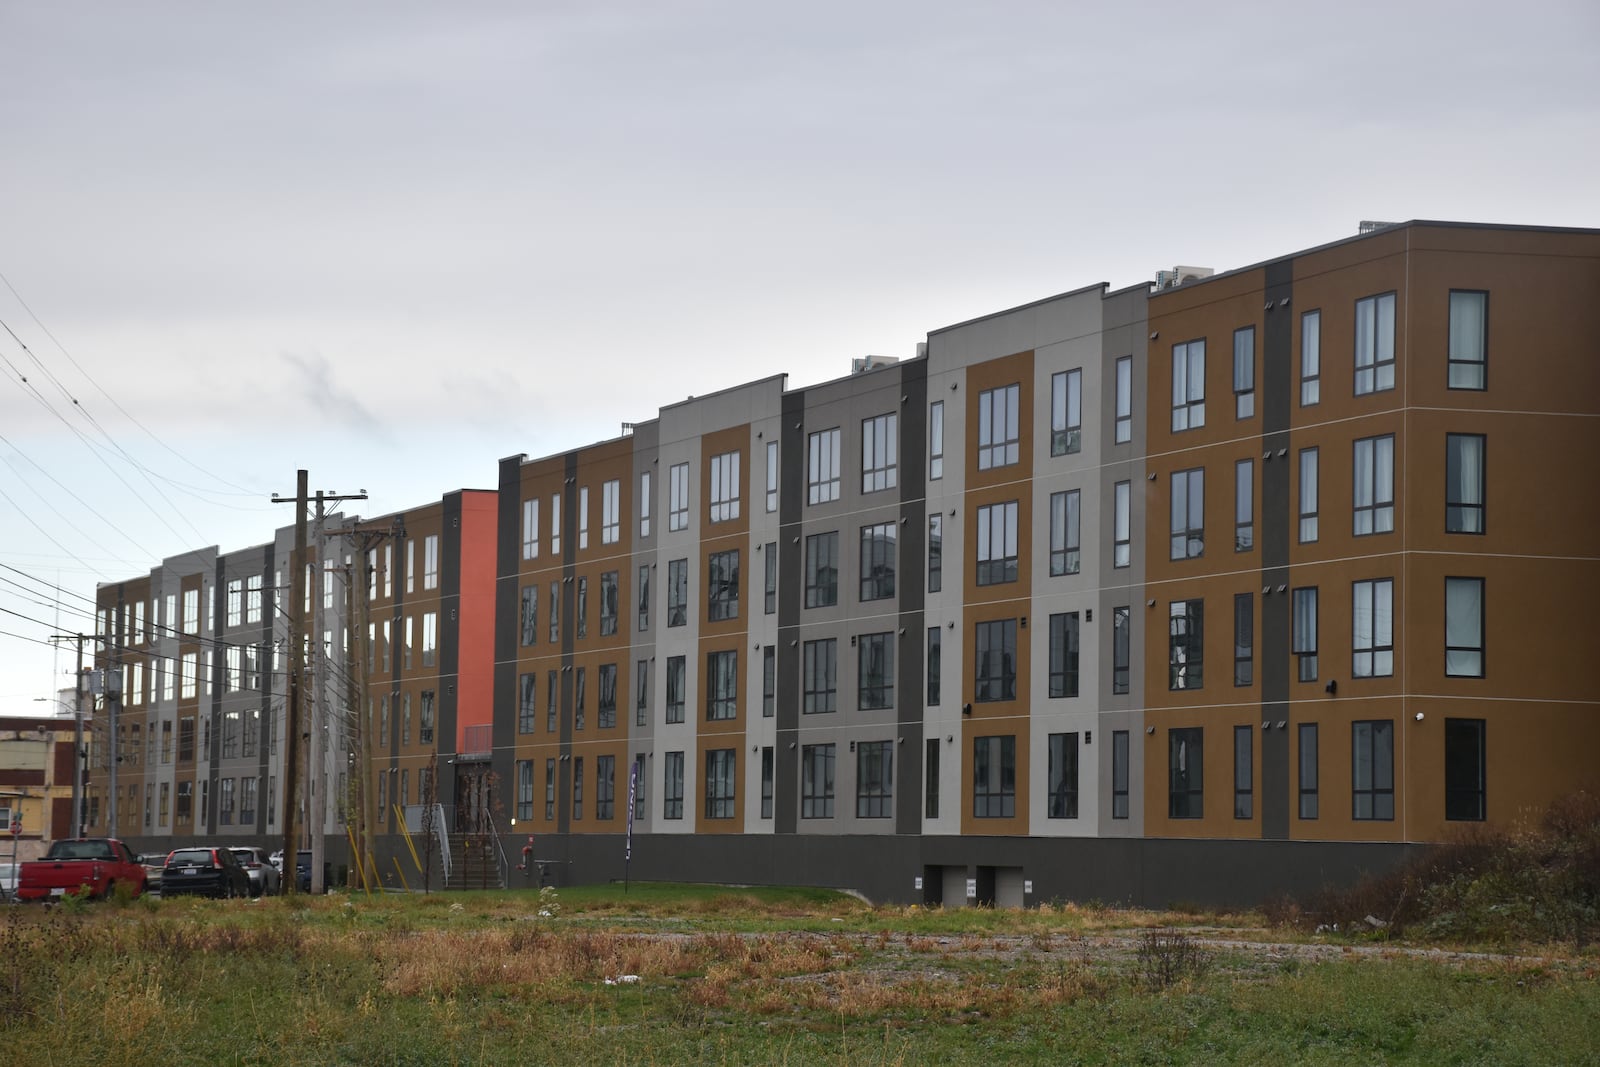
938 630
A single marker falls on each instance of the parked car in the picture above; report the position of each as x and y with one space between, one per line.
214 872
153 863
302 872
264 877
89 866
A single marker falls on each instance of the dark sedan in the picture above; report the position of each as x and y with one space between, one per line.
212 872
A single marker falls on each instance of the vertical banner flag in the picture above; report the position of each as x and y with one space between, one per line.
633 791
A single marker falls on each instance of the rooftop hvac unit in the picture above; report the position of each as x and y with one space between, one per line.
1369 226
1171 279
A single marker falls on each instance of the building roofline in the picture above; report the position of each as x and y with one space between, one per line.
1102 286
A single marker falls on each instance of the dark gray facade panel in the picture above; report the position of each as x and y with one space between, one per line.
449 640
569 641
1276 523
508 555
912 595
791 500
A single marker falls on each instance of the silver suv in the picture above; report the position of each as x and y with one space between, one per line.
264 877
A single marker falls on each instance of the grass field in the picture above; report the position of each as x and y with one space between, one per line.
679 974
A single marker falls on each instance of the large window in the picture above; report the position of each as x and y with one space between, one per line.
997 543
1463 483
1308 495
994 777
608 603
677 684
1188 386
772 476
1463 627
1064 532
722 684
822 569
605 787
875 666
816 781
530 535
1124 427
1375 344
722 586
678 500
1244 629
1185 773
998 427
1469 339
1121 533
935 656
1372 618
1189 513
725 487
1063 771
610 512
1244 506
1066 412
720 764
672 786
1305 633
879 452
821 677
822 475
877 561
1186 644
1374 485
1243 787
935 553
936 440
1310 358
607 712
644 597
1464 770
1372 766
1244 372
874 779
528 617
1308 770
1119 774
1121 648
995 648
677 592
1064 654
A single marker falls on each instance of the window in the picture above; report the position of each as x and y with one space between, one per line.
672 787
678 502
822 570
1308 495
528 616
224 803
1186 644
1463 627
877 561
1063 770
1374 485
1119 774
527 703
1310 358
610 512
549 789
1188 514
677 592
1244 625
1464 770
577 787
425 722
1243 790
191 607
875 779
772 476
247 801
1372 616
994 777
997 543
1308 770
1121 648
430 562
641 700
580 696
190 666
1064 530
1463 483
1124 426
767 776
1375 344
719 783
995 647
1244 528
822 483
644 504
722 586
677 683
1186 773
935 656
770 559
608 603
1469 331
1066 412
644 598
930 781
821 669
998 427
230 735
722 685
583 606
935 553
816 781
769 682
936 440
879 448
1188 386
1064 654
725 487
552 700
605 787
235 612
1121 533
1305 633
525 789
555 525
875 671
583 517
1244 372
555 613
608 696
411 567
1372 767
430 638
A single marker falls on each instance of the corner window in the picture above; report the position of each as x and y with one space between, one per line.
1188 386
1066 412
998 427
1469 339
1375 344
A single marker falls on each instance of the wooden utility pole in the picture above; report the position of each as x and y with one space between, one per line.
78 754
296 661
359 610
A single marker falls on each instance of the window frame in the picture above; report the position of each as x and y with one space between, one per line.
1121 649
1368 644
677 592
875 780
936 440
1304 624
1190 643
1122 432
1122 525
1311 358
1244 505
1066 412
1186 768
1382 371
1480 364
1187 493
994 675
1244 650
1061 775
823 459
879 547
820 593
1376 508
1065 637
678 497
725 488
1121 795
819 667
1066 532
722 685
722 585
935 577
677 697
673 772
1466 803
1188 407
1244 373
992 569
1306 760
721 778
817 776
995 451
1310 459
994 756
1243 772
1454 487
880 452
1374 793
1451 644
875 693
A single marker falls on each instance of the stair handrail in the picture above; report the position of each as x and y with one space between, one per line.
443 836
503 865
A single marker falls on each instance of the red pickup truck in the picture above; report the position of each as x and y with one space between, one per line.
87 865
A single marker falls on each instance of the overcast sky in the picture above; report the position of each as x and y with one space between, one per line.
394 242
